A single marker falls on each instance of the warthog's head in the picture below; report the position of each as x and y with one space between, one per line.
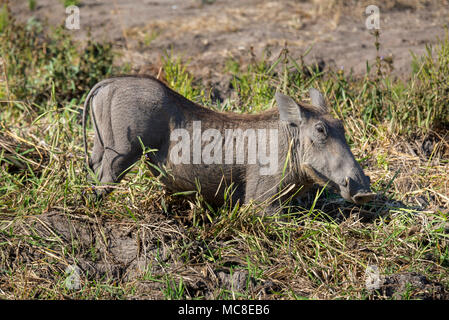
320 151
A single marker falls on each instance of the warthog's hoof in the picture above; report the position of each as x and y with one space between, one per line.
96 194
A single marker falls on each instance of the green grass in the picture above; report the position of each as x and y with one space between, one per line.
182 247
4 18
177 77
32 5
68 3
39 63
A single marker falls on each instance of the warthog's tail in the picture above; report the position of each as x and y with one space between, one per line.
89 97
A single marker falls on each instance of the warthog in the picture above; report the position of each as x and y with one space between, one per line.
277 152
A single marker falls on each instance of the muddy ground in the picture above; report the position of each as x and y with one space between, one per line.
84 249
208 32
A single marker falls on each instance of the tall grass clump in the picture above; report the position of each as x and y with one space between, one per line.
414 106
39 59
178 78
408 107
44 75
4 17
253 84
429 88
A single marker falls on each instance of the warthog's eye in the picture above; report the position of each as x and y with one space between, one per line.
321 130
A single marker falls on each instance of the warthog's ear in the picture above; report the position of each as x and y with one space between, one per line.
288 109
317 99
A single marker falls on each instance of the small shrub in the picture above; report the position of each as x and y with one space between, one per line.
50 66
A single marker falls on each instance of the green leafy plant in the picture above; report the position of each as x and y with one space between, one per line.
38 62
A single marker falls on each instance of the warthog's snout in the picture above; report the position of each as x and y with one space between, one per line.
363 197
357 192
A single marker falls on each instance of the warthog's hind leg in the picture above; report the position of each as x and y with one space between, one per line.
113 167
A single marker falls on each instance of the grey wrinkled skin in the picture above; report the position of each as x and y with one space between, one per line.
311 144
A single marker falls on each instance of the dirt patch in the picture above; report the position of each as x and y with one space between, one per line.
403 285
207 33
154 256
150 254
107 248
